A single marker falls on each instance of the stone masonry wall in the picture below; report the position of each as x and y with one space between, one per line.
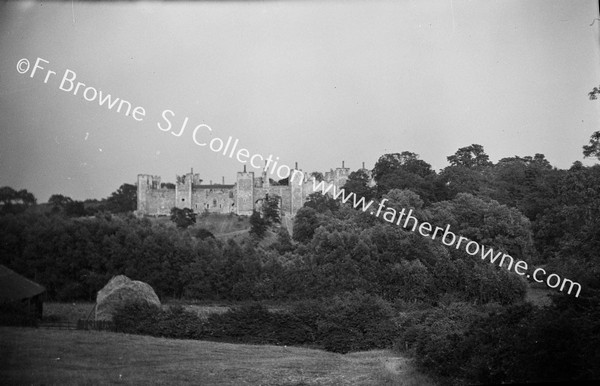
240 198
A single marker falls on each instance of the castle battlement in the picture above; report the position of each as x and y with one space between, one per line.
155 198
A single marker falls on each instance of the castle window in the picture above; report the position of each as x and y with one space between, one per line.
214 202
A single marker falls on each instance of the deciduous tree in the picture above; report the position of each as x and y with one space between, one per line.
305 224
123 199
593 149
470 156
358 183
183 218
270 210
404 171
321 203
258 225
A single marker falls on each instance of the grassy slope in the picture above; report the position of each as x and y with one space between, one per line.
90 357
222 223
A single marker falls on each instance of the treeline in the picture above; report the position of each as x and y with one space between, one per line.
559 211
348 250
463 318
123 200
562 206
521 206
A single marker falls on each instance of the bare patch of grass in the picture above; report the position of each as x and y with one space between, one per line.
204 311
222 223
539 296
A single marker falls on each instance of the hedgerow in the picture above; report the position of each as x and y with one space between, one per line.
344 323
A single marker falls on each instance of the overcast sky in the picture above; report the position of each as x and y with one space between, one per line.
313 82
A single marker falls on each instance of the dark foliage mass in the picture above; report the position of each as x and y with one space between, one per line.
123 199
13 201
358 282
348 322
267 216
183 218
17 314
520 343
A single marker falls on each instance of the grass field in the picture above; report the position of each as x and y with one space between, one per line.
38 356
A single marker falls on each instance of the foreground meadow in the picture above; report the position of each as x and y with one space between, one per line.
38 356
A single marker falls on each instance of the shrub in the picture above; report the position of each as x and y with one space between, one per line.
520 343
203 233
350 322
145 319
433 336
527 344
256 324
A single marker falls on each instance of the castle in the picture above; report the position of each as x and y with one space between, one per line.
156 198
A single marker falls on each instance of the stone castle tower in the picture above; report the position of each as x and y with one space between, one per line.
156 198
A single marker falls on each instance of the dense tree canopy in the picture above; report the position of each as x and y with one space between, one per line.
13 201
321 203
358 183
405 171
123 199
470 157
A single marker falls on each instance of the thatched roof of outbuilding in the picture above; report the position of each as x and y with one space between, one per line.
16 287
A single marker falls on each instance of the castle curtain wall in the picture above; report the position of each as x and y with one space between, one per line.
160 201
284 192
239 198
213 199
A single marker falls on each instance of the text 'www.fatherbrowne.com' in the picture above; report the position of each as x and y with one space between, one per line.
448 238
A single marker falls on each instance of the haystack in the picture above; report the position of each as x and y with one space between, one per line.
122 290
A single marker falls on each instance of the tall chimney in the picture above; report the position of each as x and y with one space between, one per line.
223 180
244 168
211 182
342 164
296 167
363 164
